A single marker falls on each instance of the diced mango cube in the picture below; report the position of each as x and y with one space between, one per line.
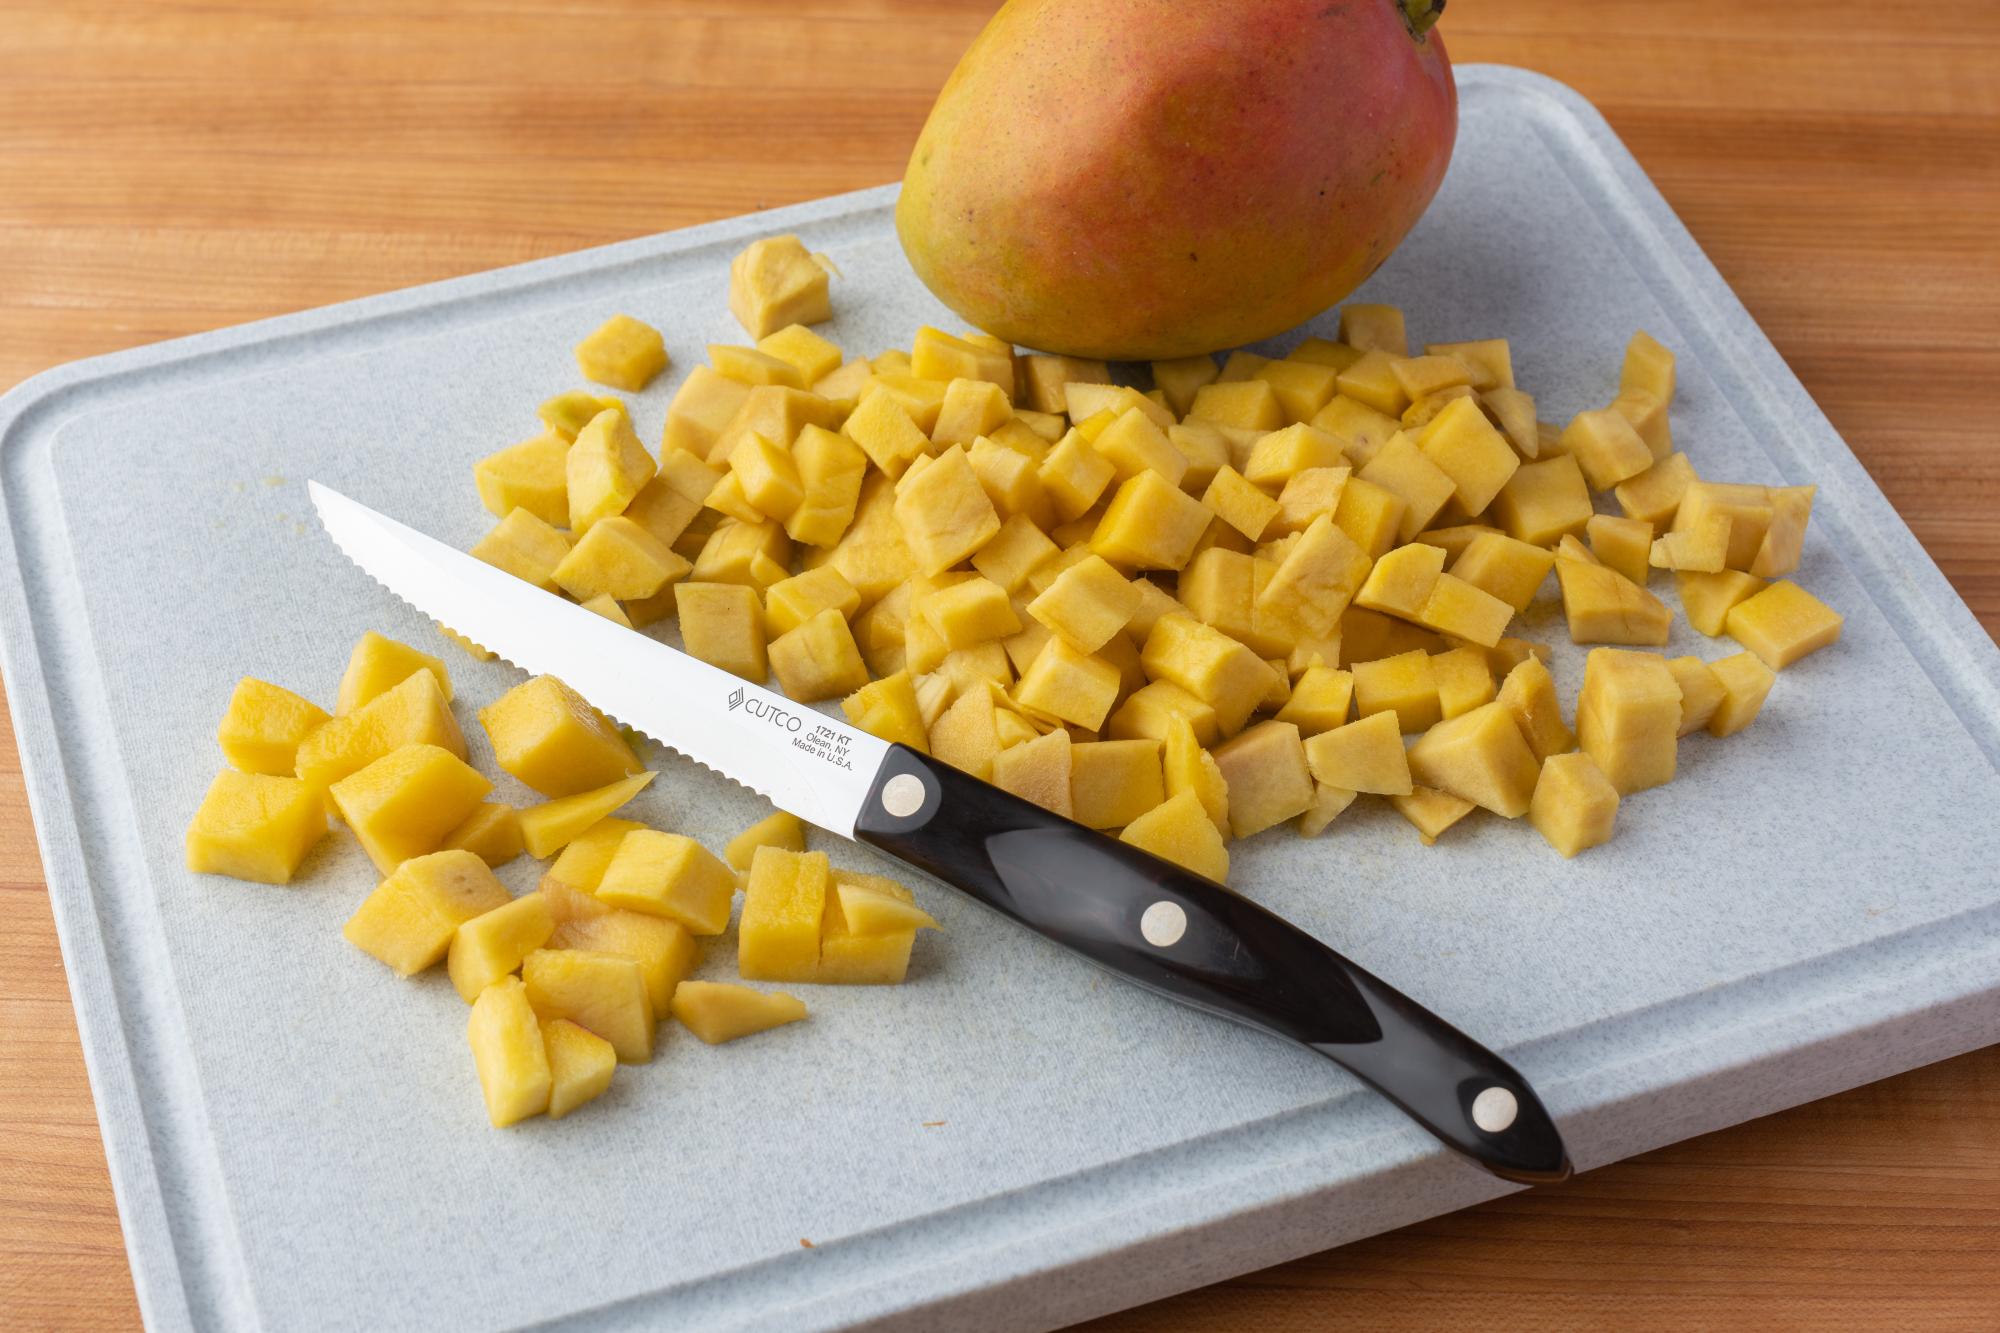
784 902
1367 755
524 546
489 946
944 514
1037 771
1245 404
819 659
1240 504
409 920
531 475
549 827
1149 712
1078 688
1628 717
508 1051
937 355
1074 475
545 734
602 992
1506 567
581 1064
1701 692
702 409
1648 366
1462 611
1784 541
1303 387
1745 682
567 413
1114 782
1209 665
718 1011
1464 681
1314 582
969 613
1086 604
1747 509
888 708
604 470
779 829
1543 500
1374 328
264 725
1371 381
1480 757
492 832
775 282
663 949
1603 606
1622 544
848 957
403 804
623 352
618 558
1606 447
1372 515
582 862
1655 494
1403 685
1181 379
1328 804
255 826
1320 700
1463 445
1150 524
1783 623
1268 781
1708 598
1575 805
722 624
1178 830
669 875
1529 693
1431 811
1403 469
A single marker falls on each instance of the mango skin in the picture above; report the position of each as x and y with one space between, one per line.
1150 179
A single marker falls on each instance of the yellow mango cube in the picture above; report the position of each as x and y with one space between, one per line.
775 282
1701 692
531 475
1178 830
263 726
944 514
1374 328
1647 366
819 659
971 409
567 413
1371 381
1747 509
1133 443
1239 504
768 477
1431 811
414 712
1244 404
508 1051
831 469
1370 514
1628 717
492 832
1464 681
888 708
1314 582
1458 609
791 602
1504 567
1114 782
966 734
873 905
754 554
1463 445
1328 804
1698 550
545 734
1603 606
1480 757
1149 712
1403 685
1182 378
1281 455
1086 604
1489 362
549 827
718 1011
404 803
617 558
1647 413
1320 700
1544 500
1037 771
623 352
1190 770
255 826
723 625
583 859
1074 476
1402 468
1708 598
784 903
1075 687
1210 665
970 612
1784 540
1783 623
1606 447
669 875
1149 525
1529 693
1401 581
937 355
1574 806
1655 494
1014 552
604 993
1622 544
409 920
1745 682
1046 379
604 470
1325 352
1303 387
581 1064
812 356
491 945
779 829
848 957
1367 755
524 546
1307 494
663 949
1268 781
1010 480
701 410
379 664
1362 428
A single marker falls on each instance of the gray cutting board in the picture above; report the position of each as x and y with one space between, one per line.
1013 1139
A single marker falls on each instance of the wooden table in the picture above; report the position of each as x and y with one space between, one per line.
168 166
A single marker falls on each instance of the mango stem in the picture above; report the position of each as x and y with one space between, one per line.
1421 15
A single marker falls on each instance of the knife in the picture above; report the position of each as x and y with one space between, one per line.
1145 919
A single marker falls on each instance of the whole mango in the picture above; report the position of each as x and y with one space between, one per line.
1145 179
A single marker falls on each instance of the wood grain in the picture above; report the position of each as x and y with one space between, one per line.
168 166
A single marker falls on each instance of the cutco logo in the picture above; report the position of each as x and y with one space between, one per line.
765 710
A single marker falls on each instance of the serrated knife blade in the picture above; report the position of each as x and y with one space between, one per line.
802 760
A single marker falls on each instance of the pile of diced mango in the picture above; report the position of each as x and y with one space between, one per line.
570 980
1187 613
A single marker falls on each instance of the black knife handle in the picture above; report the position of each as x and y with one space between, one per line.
1195 941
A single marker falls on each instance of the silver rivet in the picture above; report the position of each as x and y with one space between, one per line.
1494 1110
903 795
1163 923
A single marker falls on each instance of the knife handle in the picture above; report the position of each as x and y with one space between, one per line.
1195 941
